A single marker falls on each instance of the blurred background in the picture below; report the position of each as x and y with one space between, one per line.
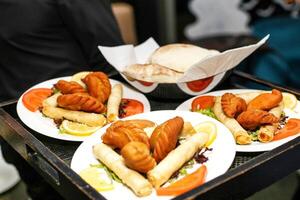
218 25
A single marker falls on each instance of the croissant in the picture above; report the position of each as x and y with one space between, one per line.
164 137
67 87
137 156
121 132
251 119
232 105
98 85
266 101
80 102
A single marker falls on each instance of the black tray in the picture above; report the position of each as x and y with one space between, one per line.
250 172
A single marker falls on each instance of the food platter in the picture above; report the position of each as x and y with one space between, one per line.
219 159
254 146
45 126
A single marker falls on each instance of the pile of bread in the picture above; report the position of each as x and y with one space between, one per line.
168 63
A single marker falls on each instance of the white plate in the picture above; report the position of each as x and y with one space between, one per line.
220 158
45 126
254 146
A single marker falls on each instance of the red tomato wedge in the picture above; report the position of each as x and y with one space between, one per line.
199 85
291 128
203 102
130 107
34 98
185 184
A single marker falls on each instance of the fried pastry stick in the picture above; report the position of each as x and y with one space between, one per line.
266 132
113 102
240 135
175 159
135 181
50 110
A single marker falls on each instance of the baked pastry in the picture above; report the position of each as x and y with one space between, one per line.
176 159
232 105
69 87
266 101
251 119
80 102
164 137
98 85
121 132
137 156
134 180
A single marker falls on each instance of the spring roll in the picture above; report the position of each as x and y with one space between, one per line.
266 132
240 135
113 102
176 158
90 119
135 181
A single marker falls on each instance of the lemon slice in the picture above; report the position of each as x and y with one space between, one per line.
207 127
289 100
78 129
96 179
78 76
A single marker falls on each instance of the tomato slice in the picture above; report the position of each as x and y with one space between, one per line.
34 98
130 107
145 83
203 102
199 85
291 128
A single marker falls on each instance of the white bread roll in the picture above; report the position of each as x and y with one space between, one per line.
179 57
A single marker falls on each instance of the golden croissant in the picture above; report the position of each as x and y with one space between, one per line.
69 87
232 105
251 119
266 101
137 156
164 137
98 85
121 132
80 102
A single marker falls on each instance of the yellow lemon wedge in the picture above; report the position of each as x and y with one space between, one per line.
96 179
207 127
78 76
289 100
77 129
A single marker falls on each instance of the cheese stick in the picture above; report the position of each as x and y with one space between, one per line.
135 181
176 158
266 132
50 110
240 135
113 102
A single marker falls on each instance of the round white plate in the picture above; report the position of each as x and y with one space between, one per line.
220 158
45 126
254 146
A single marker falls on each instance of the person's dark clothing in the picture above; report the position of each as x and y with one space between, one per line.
42 39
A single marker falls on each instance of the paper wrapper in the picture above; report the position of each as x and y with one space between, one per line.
209 71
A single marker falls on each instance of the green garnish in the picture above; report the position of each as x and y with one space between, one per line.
253 135
208 112
109 173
